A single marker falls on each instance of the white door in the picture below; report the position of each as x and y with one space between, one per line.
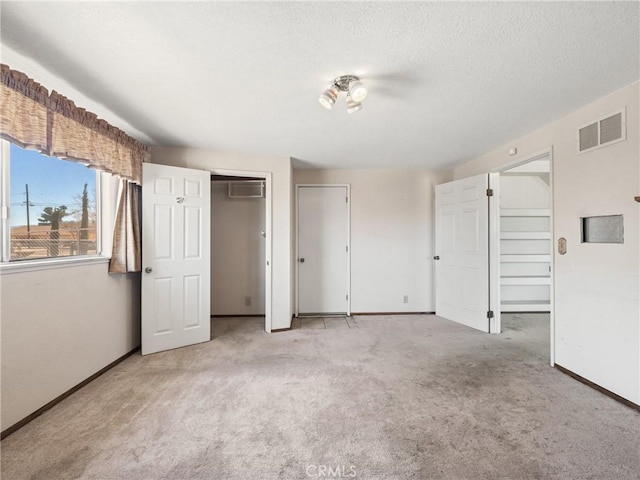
462 252
176 267
323 244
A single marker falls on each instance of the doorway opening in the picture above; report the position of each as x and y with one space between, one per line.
240 250
525 250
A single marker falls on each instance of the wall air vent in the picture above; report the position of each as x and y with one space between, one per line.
605 131
246 189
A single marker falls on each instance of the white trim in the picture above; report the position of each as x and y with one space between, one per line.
268 254
97 196
521 160
495 323
20 266
5 201
297 255
5 206
552 316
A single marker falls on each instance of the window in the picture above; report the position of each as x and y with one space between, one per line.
52 207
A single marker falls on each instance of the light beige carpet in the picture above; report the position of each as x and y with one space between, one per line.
407 397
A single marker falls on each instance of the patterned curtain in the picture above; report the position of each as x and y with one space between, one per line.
126 253
33 118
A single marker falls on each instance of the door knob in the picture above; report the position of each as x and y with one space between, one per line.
301 260
148 270
437 257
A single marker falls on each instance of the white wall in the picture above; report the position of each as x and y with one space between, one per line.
597 287
61 326
237 253
280 169
391 236
524 192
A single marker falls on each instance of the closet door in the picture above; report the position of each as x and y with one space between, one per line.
323 250
176 268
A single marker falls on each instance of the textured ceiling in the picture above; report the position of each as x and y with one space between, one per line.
447 81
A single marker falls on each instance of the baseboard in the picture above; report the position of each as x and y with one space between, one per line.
392 313
597 387
238 315
59 398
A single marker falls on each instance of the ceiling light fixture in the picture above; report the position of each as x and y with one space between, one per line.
352 105
328 98
352 86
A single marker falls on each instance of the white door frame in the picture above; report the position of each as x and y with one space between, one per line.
348 187
268 275
494 243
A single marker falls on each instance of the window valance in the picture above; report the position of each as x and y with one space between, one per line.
31 117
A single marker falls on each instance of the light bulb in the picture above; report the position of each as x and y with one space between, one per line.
352 105
328 98
357 91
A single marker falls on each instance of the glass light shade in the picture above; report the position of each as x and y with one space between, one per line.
328 98
357 91
352 105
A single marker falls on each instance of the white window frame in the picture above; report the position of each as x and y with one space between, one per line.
8 267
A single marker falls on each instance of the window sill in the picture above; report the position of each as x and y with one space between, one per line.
50 263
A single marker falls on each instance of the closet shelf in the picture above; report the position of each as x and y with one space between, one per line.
525 306
525 280
525 235
524 258
524 212
525 245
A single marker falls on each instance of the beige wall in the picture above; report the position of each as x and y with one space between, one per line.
524 192
597 287
561 134
237 253
392 227
59 327
280 169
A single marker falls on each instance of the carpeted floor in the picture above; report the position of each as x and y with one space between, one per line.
406 397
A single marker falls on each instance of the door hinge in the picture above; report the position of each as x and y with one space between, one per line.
490 314
346 199
489 192
346 248
347 297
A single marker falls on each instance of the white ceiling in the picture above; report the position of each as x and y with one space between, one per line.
447 81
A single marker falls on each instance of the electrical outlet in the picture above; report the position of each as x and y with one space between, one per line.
406 299
247 301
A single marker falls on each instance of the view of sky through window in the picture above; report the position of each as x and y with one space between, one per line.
52 182
60 222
